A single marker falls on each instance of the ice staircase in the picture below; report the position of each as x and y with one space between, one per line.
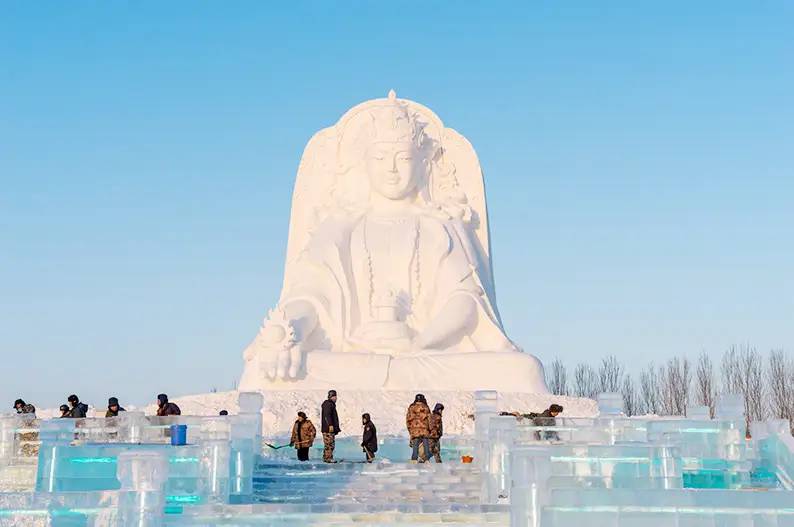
377 494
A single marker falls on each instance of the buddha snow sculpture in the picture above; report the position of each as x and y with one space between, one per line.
388 281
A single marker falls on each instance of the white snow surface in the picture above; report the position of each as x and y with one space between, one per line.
387 408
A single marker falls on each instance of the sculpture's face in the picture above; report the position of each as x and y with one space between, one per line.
394 169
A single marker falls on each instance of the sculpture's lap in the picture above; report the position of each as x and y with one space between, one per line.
503 371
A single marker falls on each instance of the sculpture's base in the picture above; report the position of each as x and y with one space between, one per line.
503 371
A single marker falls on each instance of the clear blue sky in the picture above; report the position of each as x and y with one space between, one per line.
639 161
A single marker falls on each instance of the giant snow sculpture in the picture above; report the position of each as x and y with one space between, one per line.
388 282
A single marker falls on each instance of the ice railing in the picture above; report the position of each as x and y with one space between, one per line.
199 459
560 475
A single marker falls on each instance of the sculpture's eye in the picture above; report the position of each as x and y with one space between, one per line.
379 157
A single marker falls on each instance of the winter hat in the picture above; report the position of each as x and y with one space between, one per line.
438 407
420 398
555 408
18 402
73 399
302 414
64 408
162 398
224 412
113 401
366 417
331 393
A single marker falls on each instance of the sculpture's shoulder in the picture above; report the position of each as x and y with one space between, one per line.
439 230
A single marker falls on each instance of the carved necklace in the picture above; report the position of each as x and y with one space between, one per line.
414 265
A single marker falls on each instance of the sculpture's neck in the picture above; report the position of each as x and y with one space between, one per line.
393 207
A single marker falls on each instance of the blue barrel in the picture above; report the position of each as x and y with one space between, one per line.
178 435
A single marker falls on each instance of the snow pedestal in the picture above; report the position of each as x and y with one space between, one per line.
530 470
246 444
501 439
142 475
486 406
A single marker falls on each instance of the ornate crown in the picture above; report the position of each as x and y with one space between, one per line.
393 123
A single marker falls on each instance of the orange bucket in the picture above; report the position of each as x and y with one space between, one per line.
466 459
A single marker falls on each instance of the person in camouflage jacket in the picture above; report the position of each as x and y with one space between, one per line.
436 431
303 435
417 420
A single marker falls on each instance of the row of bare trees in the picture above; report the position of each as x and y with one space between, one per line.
765 383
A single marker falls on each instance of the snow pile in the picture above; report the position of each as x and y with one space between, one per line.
387 408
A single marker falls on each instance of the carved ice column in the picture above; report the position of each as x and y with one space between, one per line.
142 475
530 470
8 427
486 406
246 445
131 427
501 440
216 457
55 435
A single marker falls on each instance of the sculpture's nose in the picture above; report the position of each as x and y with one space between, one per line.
393 165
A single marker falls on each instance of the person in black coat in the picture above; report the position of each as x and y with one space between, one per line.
369 441
78 410
329 426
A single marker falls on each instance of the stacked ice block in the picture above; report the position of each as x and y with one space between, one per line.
617 471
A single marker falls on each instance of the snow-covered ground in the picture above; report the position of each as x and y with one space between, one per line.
387 408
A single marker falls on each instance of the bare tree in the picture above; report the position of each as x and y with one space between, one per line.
585 381
730 371
610 373
649 391
780 379
743 373
705 388
631 399
753 375
557 378
675 379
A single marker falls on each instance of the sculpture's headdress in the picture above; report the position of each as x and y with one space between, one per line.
394 123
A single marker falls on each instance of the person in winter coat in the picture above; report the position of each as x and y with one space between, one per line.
417 420
64 411
303 434
114 408
545 418
78 410
23 408
166 408
329 426
369 440
436 431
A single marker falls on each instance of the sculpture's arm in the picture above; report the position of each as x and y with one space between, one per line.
455 320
